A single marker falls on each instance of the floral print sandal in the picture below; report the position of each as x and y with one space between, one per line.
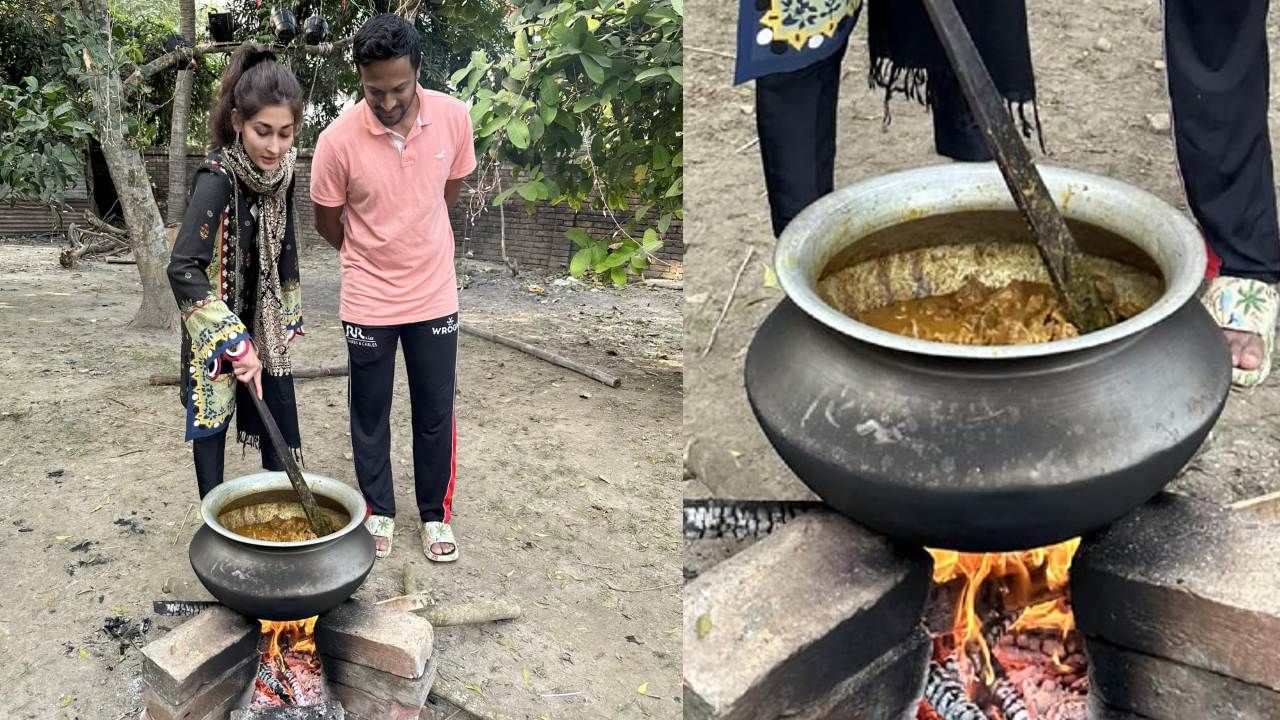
382 528
438 532
1247 306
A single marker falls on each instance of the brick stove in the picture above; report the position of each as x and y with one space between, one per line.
378 663
1178 604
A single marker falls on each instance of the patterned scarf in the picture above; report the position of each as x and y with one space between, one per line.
273 218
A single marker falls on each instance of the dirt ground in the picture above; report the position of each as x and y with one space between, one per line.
566 499
1098 80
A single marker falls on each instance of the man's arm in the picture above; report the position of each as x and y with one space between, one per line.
329 223
452 188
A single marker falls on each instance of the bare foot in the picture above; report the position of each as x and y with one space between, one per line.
1246 349
441 548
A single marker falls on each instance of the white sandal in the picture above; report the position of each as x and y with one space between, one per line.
1249 306
438 532
380 526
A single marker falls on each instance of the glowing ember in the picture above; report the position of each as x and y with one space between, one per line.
289 670
1010 651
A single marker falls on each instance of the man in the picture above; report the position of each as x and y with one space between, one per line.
1219 78
383 178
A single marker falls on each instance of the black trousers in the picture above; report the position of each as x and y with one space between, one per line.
1219 87
796 121
430 358
210 456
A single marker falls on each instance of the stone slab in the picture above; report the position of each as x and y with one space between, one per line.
1161 689
197 652
363 706
889 688
389 640
382 685
1188 581
780 624
214 700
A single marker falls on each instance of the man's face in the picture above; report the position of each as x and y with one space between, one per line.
390 87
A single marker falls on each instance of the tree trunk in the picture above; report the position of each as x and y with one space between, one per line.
181 112
177 204
129 175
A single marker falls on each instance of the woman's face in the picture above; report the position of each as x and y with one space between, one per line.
267 136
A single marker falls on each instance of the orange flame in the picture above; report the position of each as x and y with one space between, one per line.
289 636
1024 576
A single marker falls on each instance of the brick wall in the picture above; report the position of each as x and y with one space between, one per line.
534 240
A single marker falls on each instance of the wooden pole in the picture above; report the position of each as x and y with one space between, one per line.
553 358
339 371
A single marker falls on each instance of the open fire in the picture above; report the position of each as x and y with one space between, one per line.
289 671
1005 646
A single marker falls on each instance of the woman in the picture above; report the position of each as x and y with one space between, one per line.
234 268
793 50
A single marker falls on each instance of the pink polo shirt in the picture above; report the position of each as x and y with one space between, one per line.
397 252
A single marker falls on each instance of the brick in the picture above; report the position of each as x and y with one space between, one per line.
197 652
382 685
210 701
795 614
395 642
888 689
1185 580
360 705
1161 689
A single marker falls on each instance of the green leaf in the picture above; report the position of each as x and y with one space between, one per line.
533 190
677 73
639 262
592 68
518 133
678 5
579 238
664 222
651 243
548 114
676 188
585 102
619 257
522 44
619 277
580 263
549 92
502 196
520 70
651 72
457 77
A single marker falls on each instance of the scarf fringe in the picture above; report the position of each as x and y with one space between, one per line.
913 84
249 440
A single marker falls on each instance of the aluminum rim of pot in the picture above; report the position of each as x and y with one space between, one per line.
226 493
807 246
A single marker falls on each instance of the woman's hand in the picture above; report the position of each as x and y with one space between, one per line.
248 370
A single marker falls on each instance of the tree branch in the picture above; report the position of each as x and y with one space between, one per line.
185 54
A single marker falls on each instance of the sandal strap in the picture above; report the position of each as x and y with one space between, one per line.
1243 304
380 525
438 532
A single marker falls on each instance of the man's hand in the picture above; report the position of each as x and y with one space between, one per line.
329 224
248 370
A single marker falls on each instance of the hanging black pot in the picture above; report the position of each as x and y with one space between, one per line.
222 26
286 25
315 29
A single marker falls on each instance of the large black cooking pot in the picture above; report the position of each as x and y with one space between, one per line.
281 580
997 447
